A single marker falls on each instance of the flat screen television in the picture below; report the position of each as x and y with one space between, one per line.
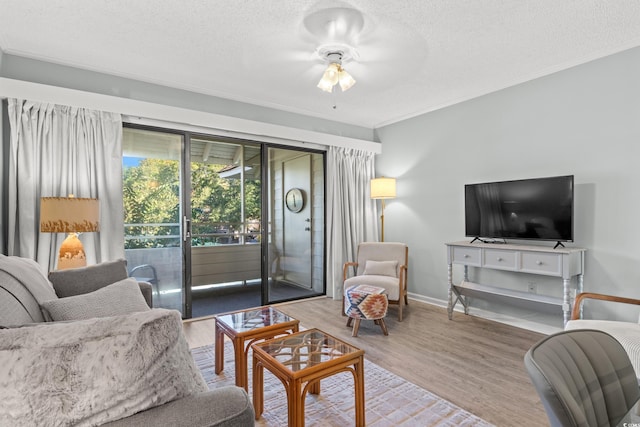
528 209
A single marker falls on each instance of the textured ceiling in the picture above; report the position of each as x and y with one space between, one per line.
413 56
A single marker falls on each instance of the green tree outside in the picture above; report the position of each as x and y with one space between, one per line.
152 202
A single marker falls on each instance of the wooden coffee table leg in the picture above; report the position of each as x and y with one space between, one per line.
359 391
258 388
241 363
219 351
296 403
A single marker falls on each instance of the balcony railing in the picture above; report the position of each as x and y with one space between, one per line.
164 235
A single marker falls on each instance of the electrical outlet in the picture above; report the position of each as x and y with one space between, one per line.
532 287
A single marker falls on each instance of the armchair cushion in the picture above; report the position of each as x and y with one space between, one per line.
123 297
381 268
94 371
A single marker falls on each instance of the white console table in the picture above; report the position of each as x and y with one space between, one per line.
561 262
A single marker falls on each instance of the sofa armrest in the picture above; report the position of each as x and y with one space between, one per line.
225 406
575 313
147 292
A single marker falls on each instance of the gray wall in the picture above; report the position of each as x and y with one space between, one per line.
583 121
3 182
20 68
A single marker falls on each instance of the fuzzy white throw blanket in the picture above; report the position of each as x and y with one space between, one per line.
93 371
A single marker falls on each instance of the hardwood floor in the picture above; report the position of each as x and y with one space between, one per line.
475 363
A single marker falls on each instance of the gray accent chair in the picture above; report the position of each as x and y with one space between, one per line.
627 333
583 377
23 286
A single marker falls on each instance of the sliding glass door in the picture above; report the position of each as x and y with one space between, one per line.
152 192
296 251
226 222
219 224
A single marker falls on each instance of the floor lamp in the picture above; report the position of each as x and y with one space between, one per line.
383 188
71 215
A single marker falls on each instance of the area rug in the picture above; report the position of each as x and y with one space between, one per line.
390 400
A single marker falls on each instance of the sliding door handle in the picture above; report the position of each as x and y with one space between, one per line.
186 228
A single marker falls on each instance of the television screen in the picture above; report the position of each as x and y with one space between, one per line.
540 208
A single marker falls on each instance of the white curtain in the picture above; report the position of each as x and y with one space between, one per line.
351 214
55 151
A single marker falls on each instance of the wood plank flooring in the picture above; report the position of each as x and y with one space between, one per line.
475 363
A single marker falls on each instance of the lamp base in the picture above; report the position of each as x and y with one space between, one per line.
71 253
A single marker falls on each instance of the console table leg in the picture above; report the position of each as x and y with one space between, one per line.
566 300
580 289
450 281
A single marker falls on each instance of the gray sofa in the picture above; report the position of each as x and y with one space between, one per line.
99 363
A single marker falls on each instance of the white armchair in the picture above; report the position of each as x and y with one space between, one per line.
381 264
626 333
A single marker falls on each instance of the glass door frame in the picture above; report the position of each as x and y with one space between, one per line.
266 217
185 182
186 217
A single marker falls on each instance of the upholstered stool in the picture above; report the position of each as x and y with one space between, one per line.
366 302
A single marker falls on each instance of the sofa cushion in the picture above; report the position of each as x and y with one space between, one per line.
227 406
123 297
76 281
93 371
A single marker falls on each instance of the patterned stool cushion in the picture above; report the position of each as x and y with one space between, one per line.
366 302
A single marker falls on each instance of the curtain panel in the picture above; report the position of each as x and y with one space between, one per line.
56 151
351 213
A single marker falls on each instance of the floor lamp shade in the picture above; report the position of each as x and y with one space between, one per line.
70 215
383 188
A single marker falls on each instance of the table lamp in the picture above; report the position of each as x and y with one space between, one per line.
383 188
71 215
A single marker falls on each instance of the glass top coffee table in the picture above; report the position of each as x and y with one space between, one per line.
244 328
300 361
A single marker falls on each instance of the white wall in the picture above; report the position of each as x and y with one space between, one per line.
583 121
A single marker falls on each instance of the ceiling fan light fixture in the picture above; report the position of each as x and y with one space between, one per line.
325 85
345 79
330 77
334 73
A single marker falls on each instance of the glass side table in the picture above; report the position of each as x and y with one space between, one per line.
300 361
244 328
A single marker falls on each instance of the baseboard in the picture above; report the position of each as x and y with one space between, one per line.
489 315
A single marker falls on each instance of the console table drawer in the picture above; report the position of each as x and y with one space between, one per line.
500 259
468 256
542 263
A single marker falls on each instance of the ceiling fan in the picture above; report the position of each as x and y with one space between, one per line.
340 28
334 47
